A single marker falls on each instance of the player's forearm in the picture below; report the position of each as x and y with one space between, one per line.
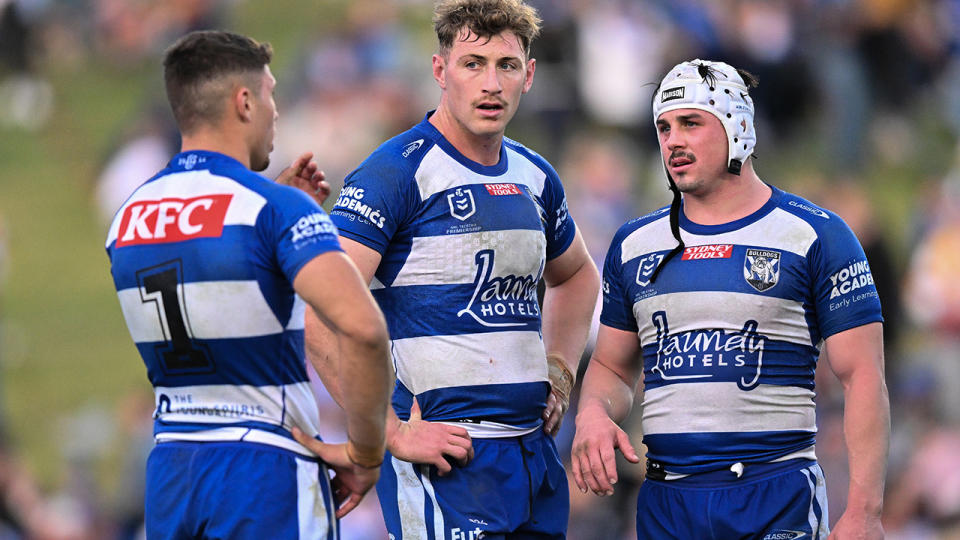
366 381
605 390
323 351
567 311
867 430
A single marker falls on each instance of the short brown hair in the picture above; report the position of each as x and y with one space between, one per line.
200 58
485 18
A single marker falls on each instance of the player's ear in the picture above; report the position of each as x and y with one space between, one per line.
243 102
440 71
531 68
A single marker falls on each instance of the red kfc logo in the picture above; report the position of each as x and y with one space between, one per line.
502 189
716 251
173 220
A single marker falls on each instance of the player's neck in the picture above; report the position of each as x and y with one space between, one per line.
735 197
485 150
216 140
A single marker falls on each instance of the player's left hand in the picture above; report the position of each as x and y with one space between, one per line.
553 415
561 384
350 481
305 174
855 525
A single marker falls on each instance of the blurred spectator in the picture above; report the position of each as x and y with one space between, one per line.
141 155
26 100
923 500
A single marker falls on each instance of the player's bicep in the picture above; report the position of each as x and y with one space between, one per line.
855 351
620 352
366 259
567 264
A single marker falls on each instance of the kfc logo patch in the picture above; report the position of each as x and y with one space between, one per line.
716 251
173 220
502 189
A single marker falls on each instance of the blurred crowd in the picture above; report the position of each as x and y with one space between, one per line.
852 93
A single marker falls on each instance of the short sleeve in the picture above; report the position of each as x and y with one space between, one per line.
843 287
372 205
560 228
617 311
297 230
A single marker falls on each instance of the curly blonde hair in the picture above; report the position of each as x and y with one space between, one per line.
485 19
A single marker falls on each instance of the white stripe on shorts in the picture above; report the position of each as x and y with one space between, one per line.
314 506
412 493
818 495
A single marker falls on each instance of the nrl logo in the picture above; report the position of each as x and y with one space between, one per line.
761 268
647 265
461 204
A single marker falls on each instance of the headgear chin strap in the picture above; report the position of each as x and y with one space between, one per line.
717 88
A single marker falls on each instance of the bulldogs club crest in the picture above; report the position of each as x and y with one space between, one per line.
761 268
461 204
647 265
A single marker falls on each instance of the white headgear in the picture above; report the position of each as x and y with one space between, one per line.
717 88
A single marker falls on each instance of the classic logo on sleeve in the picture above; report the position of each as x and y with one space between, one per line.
173 220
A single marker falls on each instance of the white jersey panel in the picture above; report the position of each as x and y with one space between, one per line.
441 260
438 172
783 319
209 304
428 363
710 407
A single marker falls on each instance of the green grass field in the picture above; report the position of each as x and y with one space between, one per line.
65 347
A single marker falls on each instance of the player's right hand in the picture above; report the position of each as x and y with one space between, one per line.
350 481
592 457
420 441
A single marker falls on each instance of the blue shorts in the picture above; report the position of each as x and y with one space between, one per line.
234 490
514 488
770 501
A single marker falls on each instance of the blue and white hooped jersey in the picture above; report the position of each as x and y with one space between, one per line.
203 256
463 248
731 330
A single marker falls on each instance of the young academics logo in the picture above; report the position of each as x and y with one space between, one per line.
647 265
761 268
461 203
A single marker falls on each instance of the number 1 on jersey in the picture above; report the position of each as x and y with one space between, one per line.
180 355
